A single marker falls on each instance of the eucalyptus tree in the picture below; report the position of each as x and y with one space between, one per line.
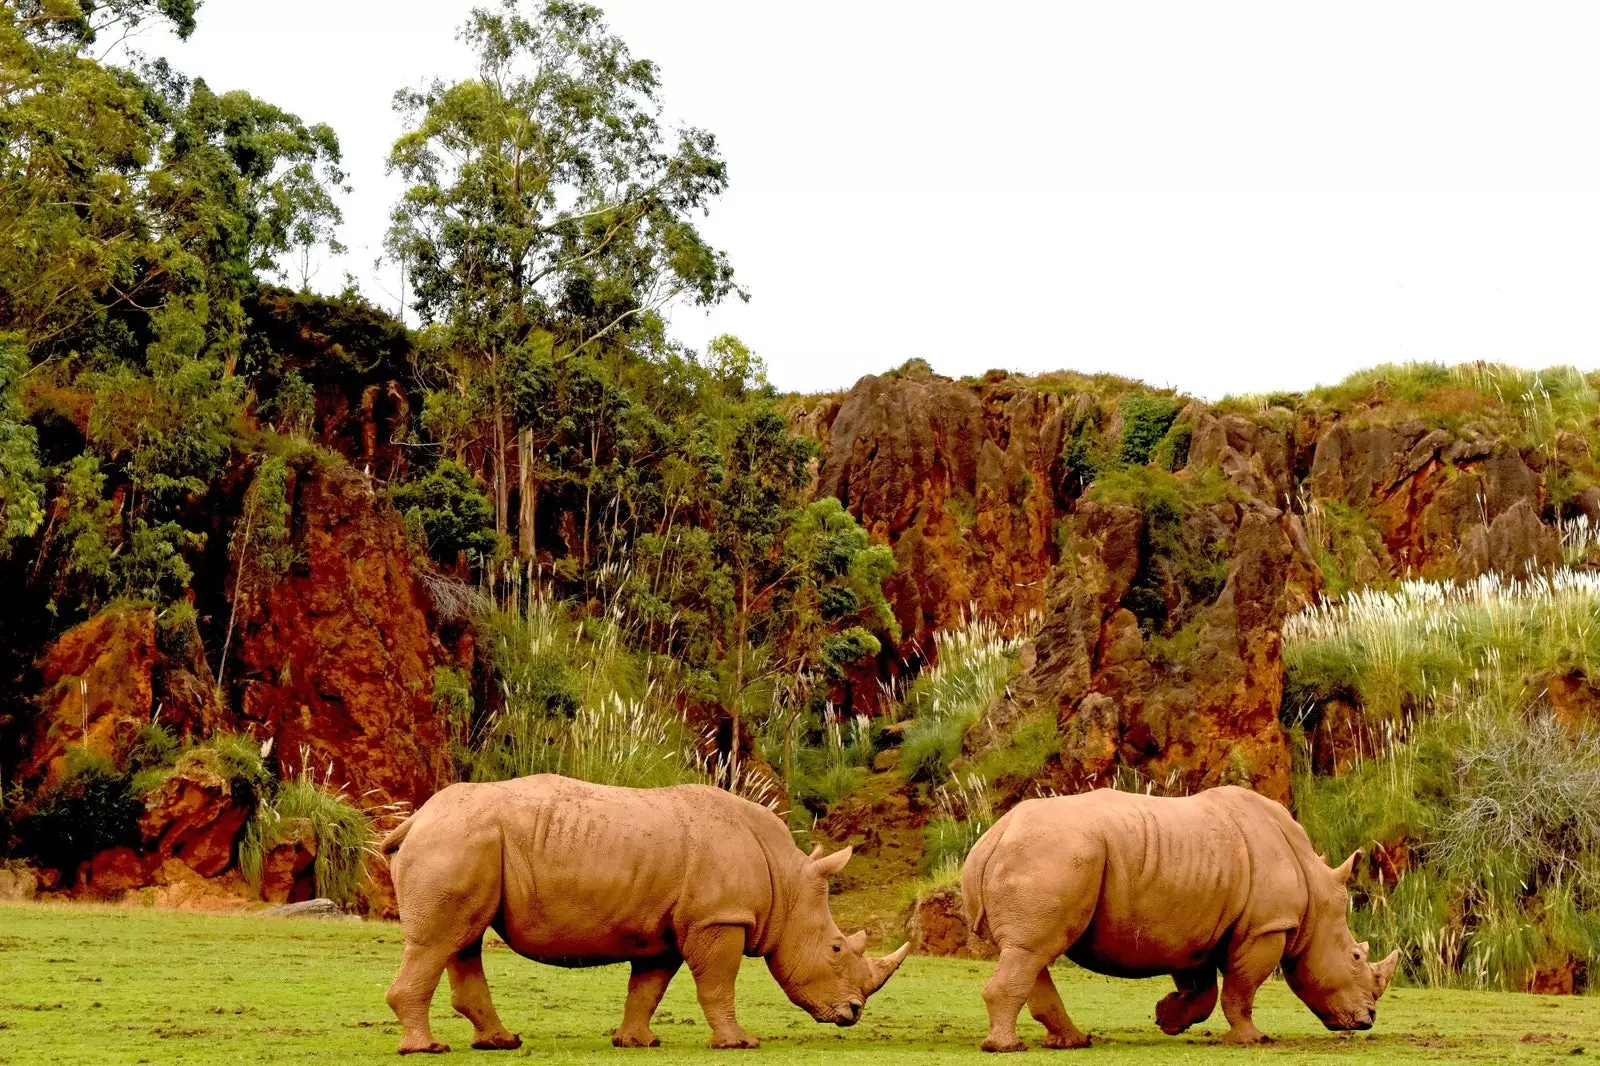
548 207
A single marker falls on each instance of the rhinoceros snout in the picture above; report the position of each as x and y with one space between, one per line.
848 1013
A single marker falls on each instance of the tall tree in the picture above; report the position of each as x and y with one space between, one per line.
545 193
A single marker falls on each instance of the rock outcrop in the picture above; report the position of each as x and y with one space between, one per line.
1174 675
97 690
335 661
961 479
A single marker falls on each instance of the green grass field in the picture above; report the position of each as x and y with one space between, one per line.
92 985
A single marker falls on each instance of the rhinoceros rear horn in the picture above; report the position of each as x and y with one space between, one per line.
884 968
829 865
1343 872
1384 971
857 942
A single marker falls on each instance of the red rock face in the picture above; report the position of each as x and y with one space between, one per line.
191 817
287 874
959 479
98 690
1192 704
335 662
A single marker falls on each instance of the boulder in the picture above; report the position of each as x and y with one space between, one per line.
937 925
288 866
191 817
311 908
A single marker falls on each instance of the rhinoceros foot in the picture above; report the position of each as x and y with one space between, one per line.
991 1044
644 1039
498 1042
1245 1034
1066 1043
432 1047
741 1042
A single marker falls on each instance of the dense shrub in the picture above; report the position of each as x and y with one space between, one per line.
92 808
453 513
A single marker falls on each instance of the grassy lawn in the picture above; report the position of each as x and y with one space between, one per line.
87 985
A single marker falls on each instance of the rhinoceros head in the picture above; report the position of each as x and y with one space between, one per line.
1334 975
820 969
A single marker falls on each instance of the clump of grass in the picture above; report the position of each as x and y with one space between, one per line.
344 835
972 664
1492 815
824 770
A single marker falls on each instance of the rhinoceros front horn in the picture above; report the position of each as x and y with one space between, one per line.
884 968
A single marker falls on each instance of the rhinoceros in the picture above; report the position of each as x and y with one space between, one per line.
576 874
1136 886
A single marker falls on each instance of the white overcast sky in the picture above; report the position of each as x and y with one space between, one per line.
1218 196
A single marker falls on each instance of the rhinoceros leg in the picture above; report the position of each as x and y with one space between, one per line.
412 991
1007 989
1191 1004
646 985
469 995
714 953
1248 966
1044 1003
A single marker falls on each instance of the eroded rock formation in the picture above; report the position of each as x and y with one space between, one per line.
335 661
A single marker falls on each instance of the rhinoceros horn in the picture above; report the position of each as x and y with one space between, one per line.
1343 872
884 968
1384 971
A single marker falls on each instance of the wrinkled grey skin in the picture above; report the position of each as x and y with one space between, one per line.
1135 886
575 874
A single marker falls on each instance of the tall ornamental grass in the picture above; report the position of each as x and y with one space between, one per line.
972 664
574 700
1400 651
1481 808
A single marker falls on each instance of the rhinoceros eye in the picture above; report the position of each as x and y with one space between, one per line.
836 947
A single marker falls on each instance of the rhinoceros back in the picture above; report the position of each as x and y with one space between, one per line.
592 874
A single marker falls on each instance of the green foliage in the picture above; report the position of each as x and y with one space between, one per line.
343 832
1172 450
92 808
1179 550
1345 541
21 475
1022 755
575 703
971 667
827 764
1146 418
454 515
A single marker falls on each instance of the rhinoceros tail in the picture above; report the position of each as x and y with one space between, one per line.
972 878
392 842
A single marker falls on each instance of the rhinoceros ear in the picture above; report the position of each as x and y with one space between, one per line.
1342 873
832 864
1383 972
856 942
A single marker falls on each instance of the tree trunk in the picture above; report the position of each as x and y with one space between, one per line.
527 494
